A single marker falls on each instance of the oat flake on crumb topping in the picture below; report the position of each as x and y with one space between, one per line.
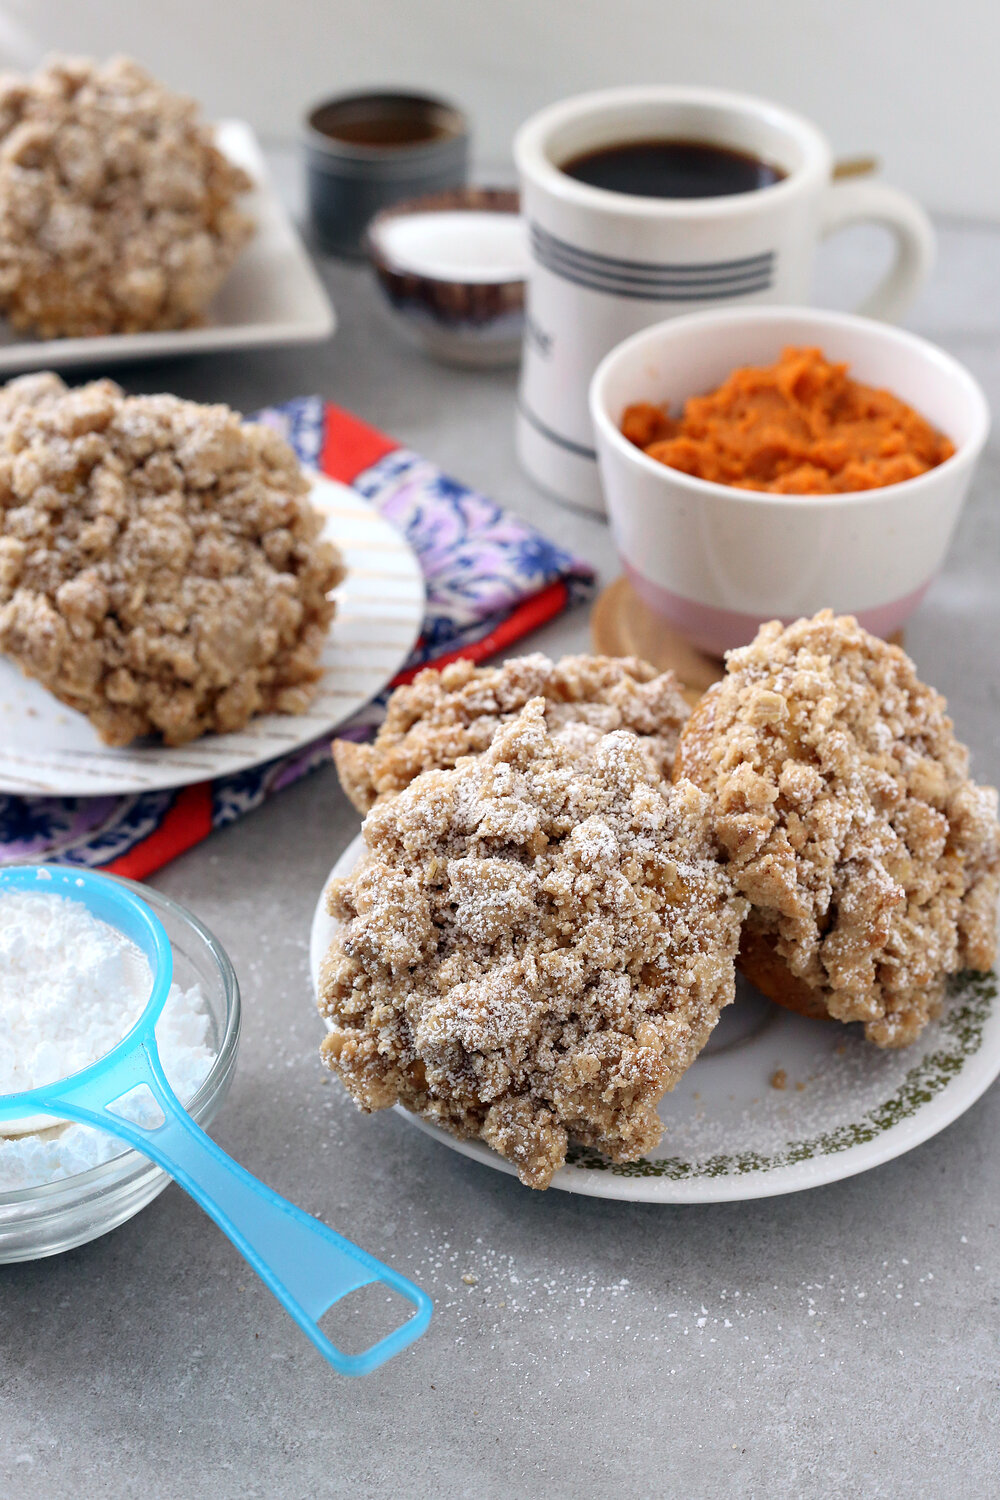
117 211
441 716
843 801
535 946
160 568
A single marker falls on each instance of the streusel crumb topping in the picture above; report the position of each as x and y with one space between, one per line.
843 802
160 567
534 948
441 716
117 211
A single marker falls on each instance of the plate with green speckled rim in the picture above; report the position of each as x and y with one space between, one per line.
776 1102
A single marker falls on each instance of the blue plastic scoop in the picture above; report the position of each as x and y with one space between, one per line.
306 1265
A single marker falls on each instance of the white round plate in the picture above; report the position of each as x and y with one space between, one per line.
730 1134
49 749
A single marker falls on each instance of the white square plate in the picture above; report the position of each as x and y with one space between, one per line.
272 295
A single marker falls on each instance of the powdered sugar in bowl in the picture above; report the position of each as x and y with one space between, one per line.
67 1210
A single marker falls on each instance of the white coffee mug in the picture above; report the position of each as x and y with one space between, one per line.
606 264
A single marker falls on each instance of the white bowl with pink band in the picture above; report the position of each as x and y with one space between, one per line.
715 561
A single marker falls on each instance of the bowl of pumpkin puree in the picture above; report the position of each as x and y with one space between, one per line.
769 462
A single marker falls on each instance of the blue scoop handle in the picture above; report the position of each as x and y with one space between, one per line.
307 1266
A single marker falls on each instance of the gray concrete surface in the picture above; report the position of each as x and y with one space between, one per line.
842 1342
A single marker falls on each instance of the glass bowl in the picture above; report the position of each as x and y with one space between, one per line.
55 1216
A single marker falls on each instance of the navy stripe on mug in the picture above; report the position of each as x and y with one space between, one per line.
556 437
614 262
649 282
646 275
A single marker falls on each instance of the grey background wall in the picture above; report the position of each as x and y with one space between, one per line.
913 80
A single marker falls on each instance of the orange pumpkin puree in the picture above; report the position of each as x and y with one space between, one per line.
798 427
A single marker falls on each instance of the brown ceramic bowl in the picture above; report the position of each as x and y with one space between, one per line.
453 268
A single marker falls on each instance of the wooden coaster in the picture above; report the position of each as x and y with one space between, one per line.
622 624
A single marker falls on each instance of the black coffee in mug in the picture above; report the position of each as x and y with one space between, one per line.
672 169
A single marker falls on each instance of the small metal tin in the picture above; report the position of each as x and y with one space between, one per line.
366 151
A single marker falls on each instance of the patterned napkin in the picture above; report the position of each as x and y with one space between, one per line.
490 578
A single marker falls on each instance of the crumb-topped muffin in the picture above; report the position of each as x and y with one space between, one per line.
441 716
844 806
535 946
117 211
160 564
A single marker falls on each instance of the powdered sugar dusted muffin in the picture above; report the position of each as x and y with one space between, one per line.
117 211
534 948
160 564
441 716
843 803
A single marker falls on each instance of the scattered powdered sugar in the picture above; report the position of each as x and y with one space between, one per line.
574 1320
70 988
573 1315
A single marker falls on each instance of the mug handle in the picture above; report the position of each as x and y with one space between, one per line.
853 202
